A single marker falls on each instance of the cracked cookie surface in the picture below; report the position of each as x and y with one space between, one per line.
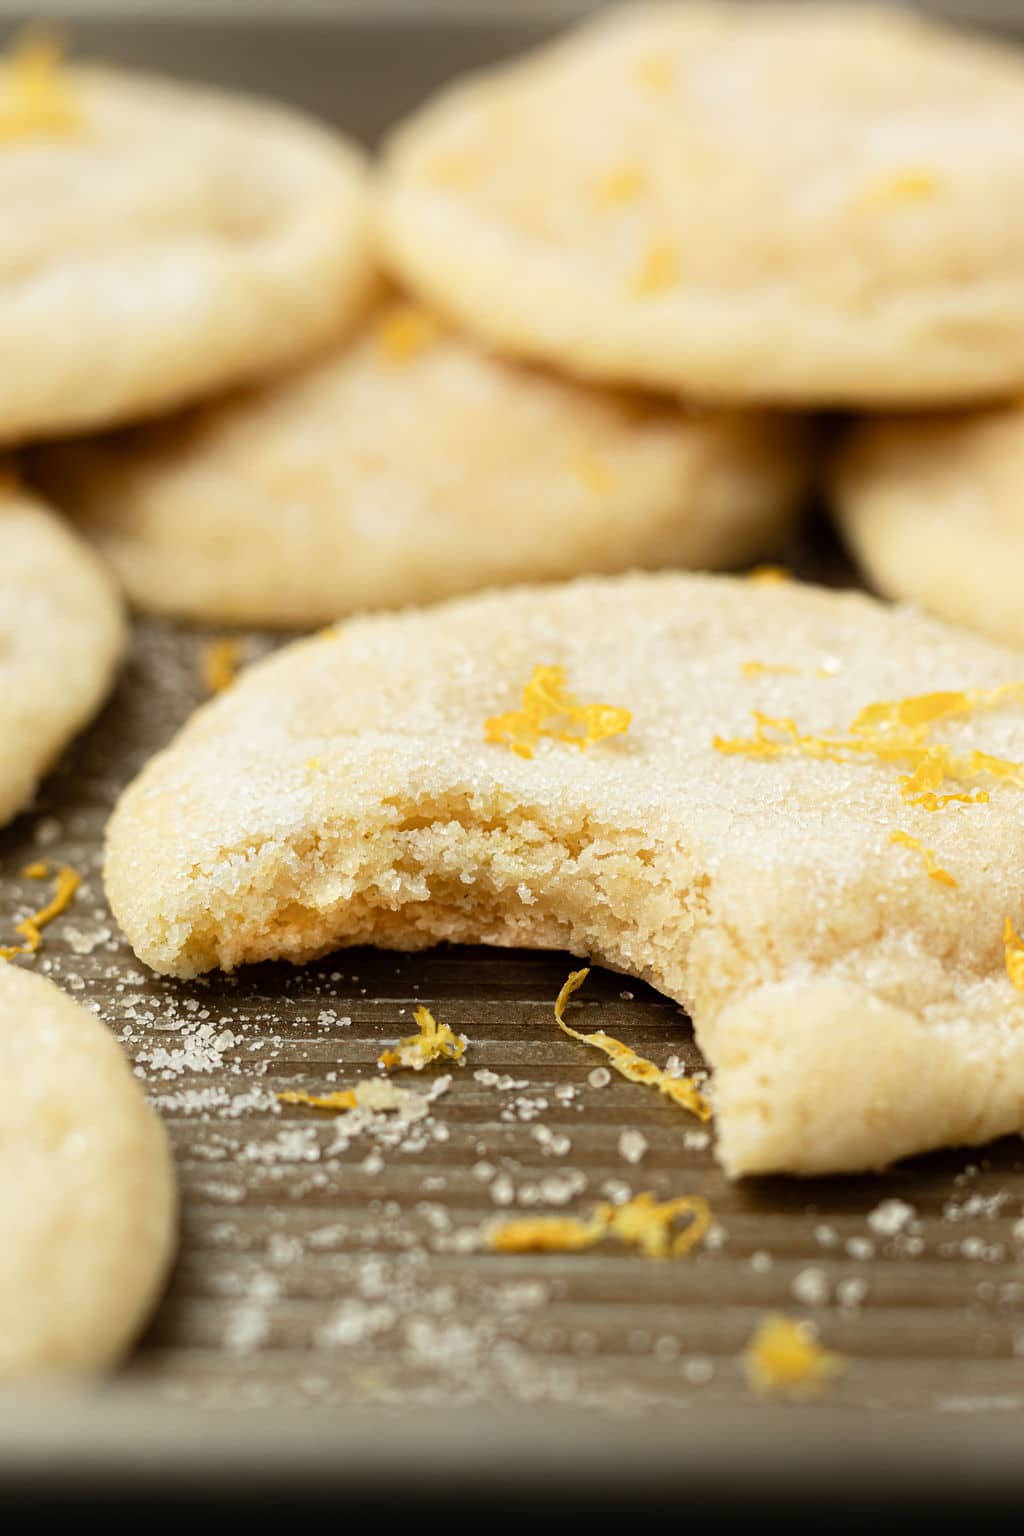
853 1008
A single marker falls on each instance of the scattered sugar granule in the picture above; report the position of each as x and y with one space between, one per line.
851 1292
810 1288
354 1322
698 1370
890 1217
632 1146
502 1190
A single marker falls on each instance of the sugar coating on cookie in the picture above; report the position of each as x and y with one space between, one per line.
61 637
362 787
159 242
785 203
87 1192
933 508
408 466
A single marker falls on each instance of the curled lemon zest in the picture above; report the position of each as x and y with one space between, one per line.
545 1234
636 1069
643 1222
929 801
752 669
30 928
37 99
1014 955
910 184
785 1356
545 699
433 1042
659 270
622 185
594 473
406 331
343 1098
767 669
453 169
373 1094
219 662
656 72
898 732
932 866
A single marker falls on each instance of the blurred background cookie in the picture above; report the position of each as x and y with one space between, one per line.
87 1190
406 466
933 508
160 241
781 203
61 635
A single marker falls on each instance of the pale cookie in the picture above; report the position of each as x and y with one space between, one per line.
87 1191
933 508
409 466
61 637
854 1007
160 241
779 203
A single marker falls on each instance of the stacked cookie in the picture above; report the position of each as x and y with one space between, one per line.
576 323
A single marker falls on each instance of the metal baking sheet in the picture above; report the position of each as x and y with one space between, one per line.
330 1301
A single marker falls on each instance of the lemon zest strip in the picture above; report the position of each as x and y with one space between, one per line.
643 1223
373 1094
636 1069
36 96
622 185
30 928
1014 955
899 732
785 1356
545 699
932 866
433 1042
219 662
406 331
658 271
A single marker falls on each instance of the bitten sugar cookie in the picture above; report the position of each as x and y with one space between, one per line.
933 508
783 203
408 466
823 884
87 1194
159 241
61 636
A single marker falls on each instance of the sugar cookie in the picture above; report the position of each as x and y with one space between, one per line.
778 203
160 241
87 1194
840 946
933 508
61 636
408 466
